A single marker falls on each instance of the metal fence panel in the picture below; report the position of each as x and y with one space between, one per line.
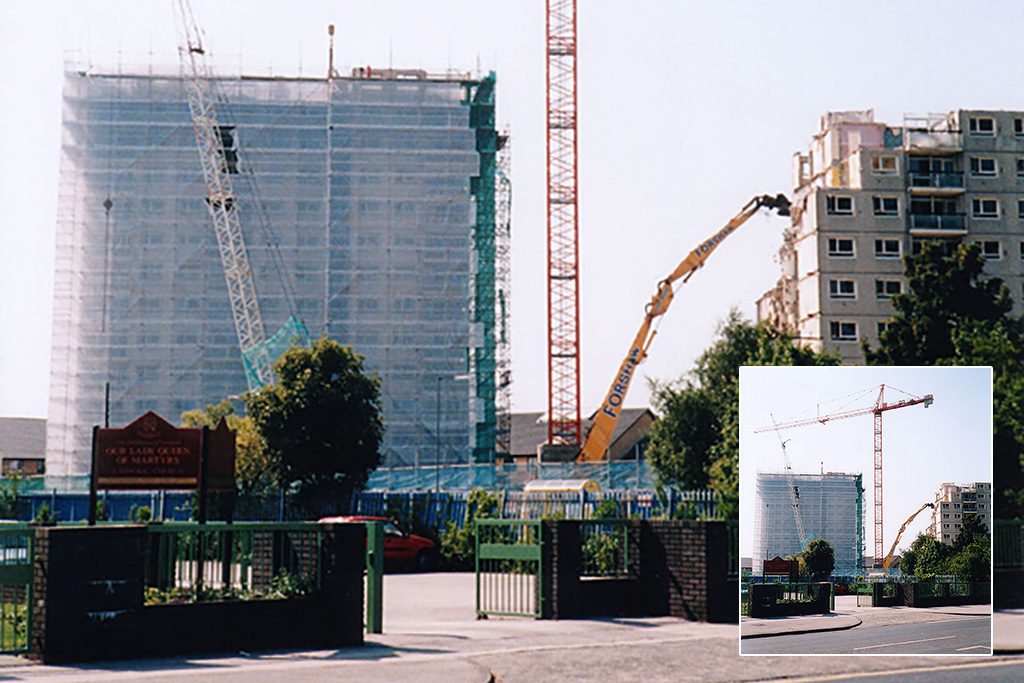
188 561
1008 544
17 544
604 548
508 568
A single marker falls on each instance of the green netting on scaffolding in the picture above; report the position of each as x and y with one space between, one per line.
481 119
293 333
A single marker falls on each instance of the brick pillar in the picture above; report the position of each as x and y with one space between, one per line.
87 592
721 589
344 557
560 569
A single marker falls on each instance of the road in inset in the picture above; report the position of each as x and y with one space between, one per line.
953 635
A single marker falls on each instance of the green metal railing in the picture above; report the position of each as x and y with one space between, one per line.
16 557
732 535
508 568
188 561
604 547
374 577
1008 544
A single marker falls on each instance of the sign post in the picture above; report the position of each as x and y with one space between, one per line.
151 453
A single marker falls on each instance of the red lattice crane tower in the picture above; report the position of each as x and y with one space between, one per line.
563 226
876 410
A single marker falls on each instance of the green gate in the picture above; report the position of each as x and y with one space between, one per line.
508 568
16 546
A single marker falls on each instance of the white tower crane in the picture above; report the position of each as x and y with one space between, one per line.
220 200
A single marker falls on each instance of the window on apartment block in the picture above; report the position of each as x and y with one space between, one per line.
885 289
1022 250
842 330
842 289
839 205
886 206
985 208
991 250
882 327
840 247
947 247
887 248
884 164
1020 208
983 166
981 125
1018 126
1020 167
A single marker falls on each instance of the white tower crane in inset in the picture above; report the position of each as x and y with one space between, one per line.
876 410
794 493
220 199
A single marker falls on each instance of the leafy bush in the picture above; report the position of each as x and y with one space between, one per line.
140 514
458 544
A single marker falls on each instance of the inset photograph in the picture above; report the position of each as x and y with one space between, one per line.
865 510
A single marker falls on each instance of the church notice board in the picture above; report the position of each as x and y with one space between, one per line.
151 453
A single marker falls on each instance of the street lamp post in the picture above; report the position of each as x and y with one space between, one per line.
437 428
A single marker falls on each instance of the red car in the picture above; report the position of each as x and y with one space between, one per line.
401 549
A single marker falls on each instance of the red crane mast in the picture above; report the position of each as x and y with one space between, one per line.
563 226
876 410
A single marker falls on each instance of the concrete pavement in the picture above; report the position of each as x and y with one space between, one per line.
432 635
1008 631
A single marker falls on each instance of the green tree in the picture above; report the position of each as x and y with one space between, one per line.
973 562
321 420
929 557
820 559
972 528
256 470
952 315
695 441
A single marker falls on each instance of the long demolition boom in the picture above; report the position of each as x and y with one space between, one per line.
600 435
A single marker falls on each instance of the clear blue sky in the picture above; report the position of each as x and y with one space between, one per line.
950 441
686 111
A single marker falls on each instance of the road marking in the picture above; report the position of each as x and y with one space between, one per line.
905 642
973 647
827 678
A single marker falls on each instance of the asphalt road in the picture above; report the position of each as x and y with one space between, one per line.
984 671
952 635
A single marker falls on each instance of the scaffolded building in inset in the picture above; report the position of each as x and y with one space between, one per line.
372 211
831 505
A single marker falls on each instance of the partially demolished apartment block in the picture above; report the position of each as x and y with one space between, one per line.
867 193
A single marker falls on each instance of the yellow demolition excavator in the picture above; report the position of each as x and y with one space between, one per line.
596 445
888 558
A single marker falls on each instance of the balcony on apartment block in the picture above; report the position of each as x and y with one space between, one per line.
945 183
938 225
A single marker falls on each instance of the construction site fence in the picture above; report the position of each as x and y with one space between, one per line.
433 509
614 475
611 475
444 508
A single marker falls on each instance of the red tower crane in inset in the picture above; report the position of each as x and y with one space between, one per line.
876 410
563 226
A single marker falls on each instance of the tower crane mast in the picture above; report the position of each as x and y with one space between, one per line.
220 199
877 410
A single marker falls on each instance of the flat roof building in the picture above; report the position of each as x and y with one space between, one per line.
374 209
868 193
954 503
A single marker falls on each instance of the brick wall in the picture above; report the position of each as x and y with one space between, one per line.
88 601
677 568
